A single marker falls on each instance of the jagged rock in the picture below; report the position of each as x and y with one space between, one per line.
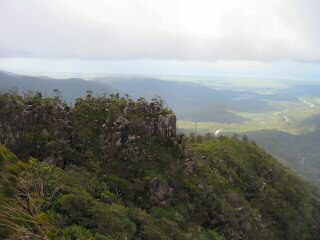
161 124
120 130
160 191
169 125
137 120
190 166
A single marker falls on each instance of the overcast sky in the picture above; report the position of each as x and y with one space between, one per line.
203 33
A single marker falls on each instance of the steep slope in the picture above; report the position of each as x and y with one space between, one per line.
299 152
113 168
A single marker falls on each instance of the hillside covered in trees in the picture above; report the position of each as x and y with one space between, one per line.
113 168
299 152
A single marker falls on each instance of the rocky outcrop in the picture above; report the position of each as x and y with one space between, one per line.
190 166
167 125
114 126
138 120
160 191
154 119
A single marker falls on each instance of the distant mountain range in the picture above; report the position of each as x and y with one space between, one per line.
70 88
193 102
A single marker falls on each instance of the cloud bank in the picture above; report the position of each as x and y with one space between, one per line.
197 30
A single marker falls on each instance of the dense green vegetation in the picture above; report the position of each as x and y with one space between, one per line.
299 152
113 168
285 109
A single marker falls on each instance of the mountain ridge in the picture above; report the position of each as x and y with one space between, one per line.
190 101
114 168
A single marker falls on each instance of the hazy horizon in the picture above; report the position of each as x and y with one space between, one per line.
257 39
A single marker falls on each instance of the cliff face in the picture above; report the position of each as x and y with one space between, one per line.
137 121
157 120
107 124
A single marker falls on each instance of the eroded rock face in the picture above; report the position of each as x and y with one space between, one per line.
168 125
158 123
160 191
32 123
190 166
139 119
114 127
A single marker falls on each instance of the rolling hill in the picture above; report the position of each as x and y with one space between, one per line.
193 102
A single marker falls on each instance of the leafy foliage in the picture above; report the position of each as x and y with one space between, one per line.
139 184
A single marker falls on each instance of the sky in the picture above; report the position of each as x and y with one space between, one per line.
274 38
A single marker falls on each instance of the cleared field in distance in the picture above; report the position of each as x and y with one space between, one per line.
289 117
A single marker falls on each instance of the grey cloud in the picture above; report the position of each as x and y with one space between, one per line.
39 29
